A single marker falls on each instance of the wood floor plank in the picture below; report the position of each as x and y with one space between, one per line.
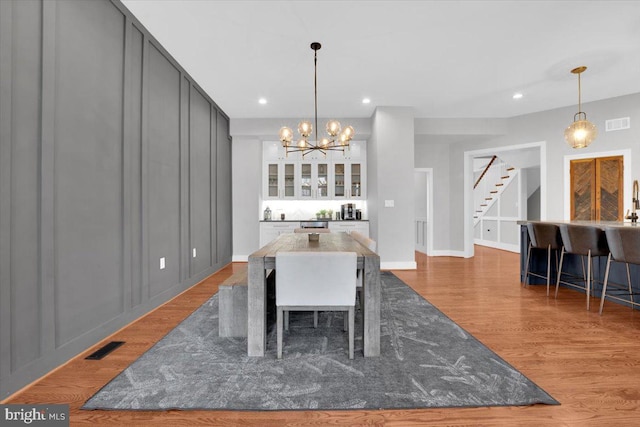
590 363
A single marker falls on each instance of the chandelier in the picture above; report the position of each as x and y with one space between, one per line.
337 139
581 132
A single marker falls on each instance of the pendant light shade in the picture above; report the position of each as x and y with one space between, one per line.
581 132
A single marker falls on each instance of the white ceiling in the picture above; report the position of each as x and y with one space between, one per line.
447 59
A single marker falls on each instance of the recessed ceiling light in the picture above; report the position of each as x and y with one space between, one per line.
517 95
366 101
262 101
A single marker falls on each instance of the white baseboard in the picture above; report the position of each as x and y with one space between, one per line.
403 265
240 258
459 254
497 245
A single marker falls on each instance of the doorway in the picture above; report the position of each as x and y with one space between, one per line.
423 223
538 150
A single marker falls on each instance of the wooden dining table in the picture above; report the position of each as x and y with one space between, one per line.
264 260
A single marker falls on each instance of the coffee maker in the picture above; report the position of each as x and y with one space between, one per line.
348 211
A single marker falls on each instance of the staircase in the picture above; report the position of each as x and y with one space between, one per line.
492 181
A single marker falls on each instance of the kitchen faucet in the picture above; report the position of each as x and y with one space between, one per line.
635 204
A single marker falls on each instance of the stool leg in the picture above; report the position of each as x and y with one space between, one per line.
604 285
629 283
526 269
588 278
559 271
548 268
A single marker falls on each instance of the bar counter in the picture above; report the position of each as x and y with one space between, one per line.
572 263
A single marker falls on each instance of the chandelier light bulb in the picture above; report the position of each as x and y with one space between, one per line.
333 127
286 135
305 128
349 132
302 143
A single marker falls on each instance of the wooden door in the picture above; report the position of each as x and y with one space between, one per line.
596 189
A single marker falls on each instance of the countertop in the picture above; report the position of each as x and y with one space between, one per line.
315 220
600 224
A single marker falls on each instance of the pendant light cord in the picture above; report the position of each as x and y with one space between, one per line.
315 89
579 95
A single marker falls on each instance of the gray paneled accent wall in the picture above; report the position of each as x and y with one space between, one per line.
111 158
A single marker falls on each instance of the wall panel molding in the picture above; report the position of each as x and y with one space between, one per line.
6 66
112 162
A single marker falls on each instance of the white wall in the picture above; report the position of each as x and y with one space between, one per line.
246 192
392 166
435 155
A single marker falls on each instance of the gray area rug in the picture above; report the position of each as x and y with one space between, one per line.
426 361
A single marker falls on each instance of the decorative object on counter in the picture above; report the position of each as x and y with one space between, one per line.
329 213
314 237
281 217
358 214
348 211
267 214
581 132
338 138
337 216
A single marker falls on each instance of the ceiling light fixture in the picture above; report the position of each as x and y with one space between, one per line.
338 138
581 132
366 101
262 101
517 95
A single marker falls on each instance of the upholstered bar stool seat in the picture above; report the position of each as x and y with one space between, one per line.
583 240
624 244
543 236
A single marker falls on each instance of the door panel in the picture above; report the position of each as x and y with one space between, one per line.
608 191
582 189
596 189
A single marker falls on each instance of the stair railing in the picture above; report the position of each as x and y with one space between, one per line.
484 171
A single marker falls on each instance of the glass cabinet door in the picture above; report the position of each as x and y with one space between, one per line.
289 180
273 186
356 182
338 180
323 180
305 180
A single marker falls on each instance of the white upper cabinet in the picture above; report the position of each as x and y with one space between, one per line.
316 177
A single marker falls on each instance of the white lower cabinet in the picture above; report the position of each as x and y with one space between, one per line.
271 230
349 226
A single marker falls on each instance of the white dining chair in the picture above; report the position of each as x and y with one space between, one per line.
312 281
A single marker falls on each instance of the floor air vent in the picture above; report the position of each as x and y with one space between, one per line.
104 350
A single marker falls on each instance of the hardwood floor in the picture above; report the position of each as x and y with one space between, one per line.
590 363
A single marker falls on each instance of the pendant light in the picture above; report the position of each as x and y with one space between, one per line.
338 138
581 132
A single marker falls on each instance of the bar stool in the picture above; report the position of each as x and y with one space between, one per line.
542 236
624 244
586 241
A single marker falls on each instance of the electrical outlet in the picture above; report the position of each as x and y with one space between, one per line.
389 203
162 263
